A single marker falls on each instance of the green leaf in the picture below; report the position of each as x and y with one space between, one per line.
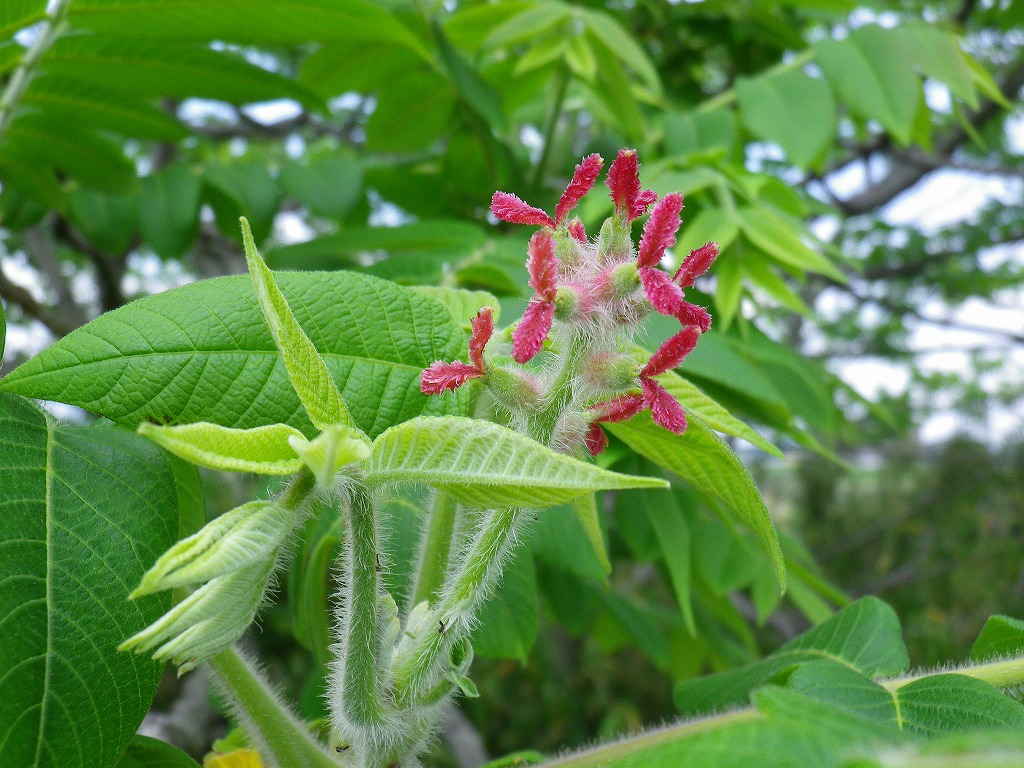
509 619
3 331
15 14
242 189
936 52
139 67
144 752
1001 636
613 89
169 210
561 539
702 458
589 518
776 237
334 448
847 688
263 450
307 370
951 702
762 275
37 181
865 636
795 111
258 22
860 69
728 291
329 185
528 25
673 534
694 132
486 465
86 510
474 90
108 221
710 225
464 305
413 113
604 26
101 107
203 352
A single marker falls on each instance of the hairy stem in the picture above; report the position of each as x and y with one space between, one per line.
280 735
1005 673
48 32
437 544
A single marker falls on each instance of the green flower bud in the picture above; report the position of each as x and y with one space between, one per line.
247 535
611 372
624 279
567 301
513 389
614 240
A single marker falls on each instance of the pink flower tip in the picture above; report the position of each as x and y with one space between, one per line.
577 231
596 440
542 265
620 409
664 295
660 230
482 330
695 265
441 376
672 352
665 409
624 183
508 207
528 337
692 314
582 182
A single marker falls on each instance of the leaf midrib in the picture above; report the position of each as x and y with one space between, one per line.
49 591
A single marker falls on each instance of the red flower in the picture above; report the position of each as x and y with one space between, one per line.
441 376
660 230
577 232
528 337
624 183
582 182
508 207
695 265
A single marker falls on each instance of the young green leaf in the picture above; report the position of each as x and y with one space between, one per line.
144 752
487 465
263 450
85 510
306 368
701 457
328 452
1001 636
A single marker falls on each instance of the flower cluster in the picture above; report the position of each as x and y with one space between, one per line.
589 299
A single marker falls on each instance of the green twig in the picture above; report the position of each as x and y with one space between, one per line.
437 544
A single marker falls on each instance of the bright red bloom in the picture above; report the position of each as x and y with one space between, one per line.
671 353
621 408
441 375
664 295
691 314
582 182
508 207
596 440
528 337
577 232
695 265
542 265
665 409
624 183
660 230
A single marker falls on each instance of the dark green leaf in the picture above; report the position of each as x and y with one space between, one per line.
329 185
169 210
86 511
144 752
411 114
1001 636
202 352
939 703
243 189
108 221
476 92
508 620
845 687
15 14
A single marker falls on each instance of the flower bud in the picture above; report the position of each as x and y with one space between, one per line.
514 390
623 279
613 243
567 301
611 372
391 627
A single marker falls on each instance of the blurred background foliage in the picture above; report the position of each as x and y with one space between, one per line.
370 135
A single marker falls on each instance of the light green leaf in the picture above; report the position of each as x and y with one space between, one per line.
614 90
242 189
860 69
986 84
795 111
673 533
15 14
144 752
169 210
474 90
776 237
728 291
626 48
203 352
509 619
487 465
710 225
531 24
464 305
842 686
263 450
1001 636
865 636
329 185
239 538
936 52
951 702
702 458
762 275
3 330
694 132
307 370
413 113
100 107
85 510
589 517
328 452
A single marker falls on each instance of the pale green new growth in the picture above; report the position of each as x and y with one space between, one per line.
208 621
237 539
306 368
486 465
262 450
326 454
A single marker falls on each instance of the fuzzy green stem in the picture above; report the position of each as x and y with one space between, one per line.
281 736
420 667
19 82
437 544
1006 673
360 696
543 424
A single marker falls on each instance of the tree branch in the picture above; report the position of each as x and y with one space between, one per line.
15 294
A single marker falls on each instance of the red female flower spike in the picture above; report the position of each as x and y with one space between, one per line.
660 230
671 353
624 180
583 179
482 330
620 409
664 295
441 376
665 409
596 440
529 335
577 232
644 200
542 265
696 264
508 207
691 314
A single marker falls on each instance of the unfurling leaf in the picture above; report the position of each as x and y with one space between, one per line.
263 450
326 454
